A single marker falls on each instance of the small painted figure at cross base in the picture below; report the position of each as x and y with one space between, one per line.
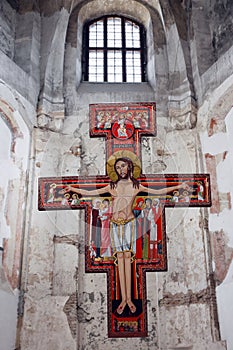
124 168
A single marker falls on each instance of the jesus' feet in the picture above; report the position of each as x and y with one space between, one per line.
121 307
131 306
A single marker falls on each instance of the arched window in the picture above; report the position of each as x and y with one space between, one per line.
114 51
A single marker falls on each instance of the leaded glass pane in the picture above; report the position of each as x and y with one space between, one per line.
114 32
132 35
96 66
96 34
114 53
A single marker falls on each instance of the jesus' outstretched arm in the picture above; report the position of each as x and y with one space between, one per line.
164 190
84 192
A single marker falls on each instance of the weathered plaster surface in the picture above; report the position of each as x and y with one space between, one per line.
217 144
14 153
47 315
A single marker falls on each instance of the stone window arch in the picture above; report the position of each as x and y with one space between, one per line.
114 50
138 13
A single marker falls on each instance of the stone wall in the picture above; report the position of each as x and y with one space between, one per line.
14 157
7 31
216 139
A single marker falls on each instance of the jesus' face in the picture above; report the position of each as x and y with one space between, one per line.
122 169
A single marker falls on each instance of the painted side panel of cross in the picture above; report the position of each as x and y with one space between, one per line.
123 125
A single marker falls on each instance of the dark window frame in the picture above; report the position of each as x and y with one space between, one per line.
123 49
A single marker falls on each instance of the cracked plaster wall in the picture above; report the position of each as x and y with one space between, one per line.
216 117
14 155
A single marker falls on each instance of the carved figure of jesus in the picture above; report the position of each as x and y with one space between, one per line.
123 227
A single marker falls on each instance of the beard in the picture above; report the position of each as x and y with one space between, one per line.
125 177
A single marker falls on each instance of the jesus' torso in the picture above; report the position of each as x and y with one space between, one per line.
123 196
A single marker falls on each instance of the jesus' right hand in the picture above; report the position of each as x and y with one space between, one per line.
68 189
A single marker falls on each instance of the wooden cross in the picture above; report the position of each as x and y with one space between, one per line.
124 243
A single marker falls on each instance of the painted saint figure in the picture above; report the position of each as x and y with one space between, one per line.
154 215
122 130
96 226
105 216
200 190
75 200
51 193
146 229
123 191
65 200
138 213
175 197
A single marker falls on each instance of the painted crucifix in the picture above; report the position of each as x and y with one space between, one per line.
125 211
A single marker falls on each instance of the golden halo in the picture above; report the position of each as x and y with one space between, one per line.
123 154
